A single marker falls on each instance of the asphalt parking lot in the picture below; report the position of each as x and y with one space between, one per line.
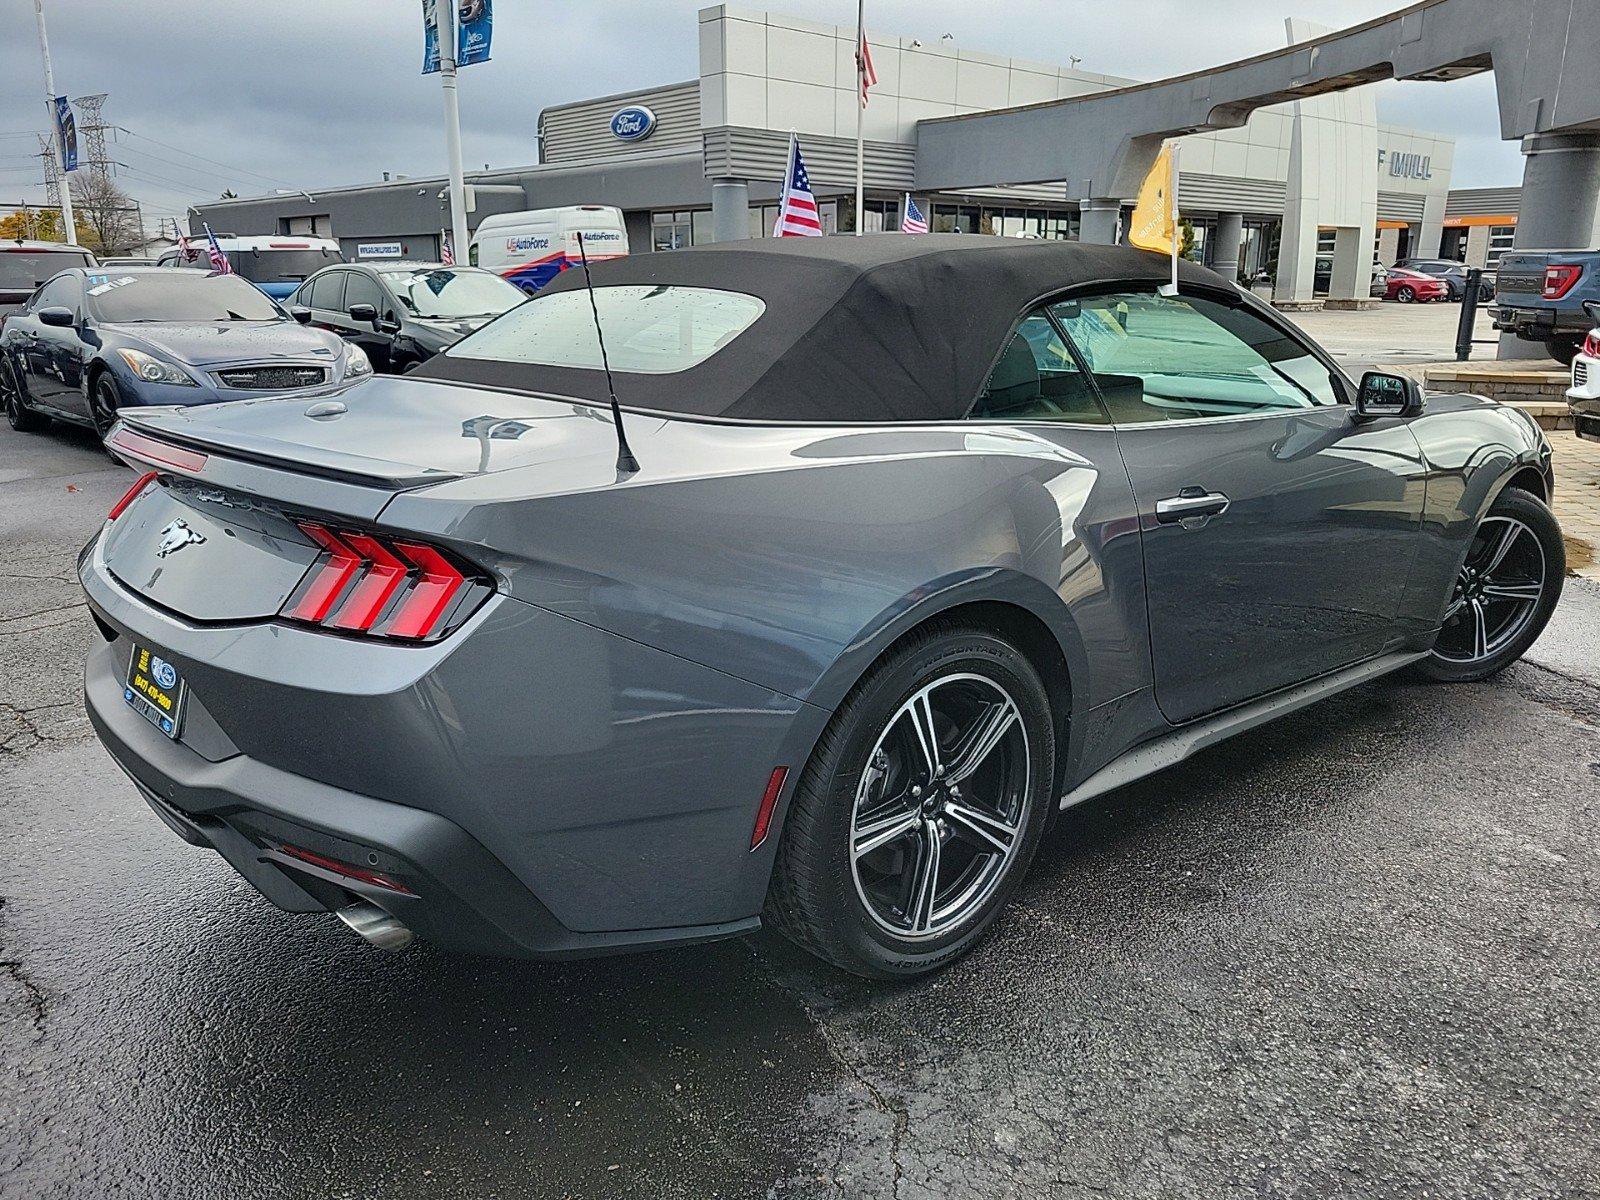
1356 953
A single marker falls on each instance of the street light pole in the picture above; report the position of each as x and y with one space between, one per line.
446 10
50 104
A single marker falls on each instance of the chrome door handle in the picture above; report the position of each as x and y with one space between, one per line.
1190 503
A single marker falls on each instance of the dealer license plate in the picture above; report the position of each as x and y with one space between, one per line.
155 690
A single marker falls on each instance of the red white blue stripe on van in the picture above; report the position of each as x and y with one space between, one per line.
533 275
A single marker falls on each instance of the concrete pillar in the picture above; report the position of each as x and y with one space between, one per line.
730 210
1352 264
1425 241
1229 237
1560 200
1097 220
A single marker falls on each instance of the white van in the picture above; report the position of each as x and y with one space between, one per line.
276 265
531 248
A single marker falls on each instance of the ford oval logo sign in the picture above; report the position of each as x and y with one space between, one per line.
633 124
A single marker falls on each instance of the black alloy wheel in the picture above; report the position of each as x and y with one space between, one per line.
1503 594
1406 294
920 808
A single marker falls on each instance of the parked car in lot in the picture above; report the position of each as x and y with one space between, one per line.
531 248
403 313
1407 286
1583 397
1453 273
276 265
91 343
1542 294
927 539
24 265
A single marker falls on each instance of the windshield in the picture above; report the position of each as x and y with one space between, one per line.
648 330
453 292
176 296
281 266
24 270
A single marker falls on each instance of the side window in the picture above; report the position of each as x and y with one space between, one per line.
327 291
1175 358
361 289
1036 379
62 291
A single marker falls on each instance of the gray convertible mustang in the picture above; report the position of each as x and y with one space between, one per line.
926 539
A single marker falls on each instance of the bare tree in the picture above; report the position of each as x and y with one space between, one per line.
109 213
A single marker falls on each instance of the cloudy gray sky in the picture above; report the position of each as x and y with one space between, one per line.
310 93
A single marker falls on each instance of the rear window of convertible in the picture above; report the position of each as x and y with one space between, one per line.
649 330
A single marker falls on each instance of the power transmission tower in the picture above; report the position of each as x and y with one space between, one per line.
52 169
93 129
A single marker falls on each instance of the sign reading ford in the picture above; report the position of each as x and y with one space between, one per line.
633 124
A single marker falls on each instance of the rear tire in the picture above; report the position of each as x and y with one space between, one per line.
18 415
852 890
1563 349
1504 595
1406 294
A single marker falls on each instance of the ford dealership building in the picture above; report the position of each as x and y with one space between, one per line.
663 153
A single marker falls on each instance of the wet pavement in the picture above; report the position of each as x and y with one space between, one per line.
1355 953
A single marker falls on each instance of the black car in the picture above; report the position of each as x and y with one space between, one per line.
92 341
1453 273
403 313
24 265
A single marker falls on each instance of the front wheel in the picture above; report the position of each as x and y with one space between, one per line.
920 809
104 400
1504 593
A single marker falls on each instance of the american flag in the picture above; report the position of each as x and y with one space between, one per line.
797 208
913 221
865 73
219 260
446 255
189 253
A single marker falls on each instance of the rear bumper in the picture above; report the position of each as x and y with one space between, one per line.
1539 324
463 898
543 787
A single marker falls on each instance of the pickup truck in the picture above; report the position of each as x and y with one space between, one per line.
1540 295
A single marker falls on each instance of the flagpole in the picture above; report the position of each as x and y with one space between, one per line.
1172 201
445 16
67 219
861 109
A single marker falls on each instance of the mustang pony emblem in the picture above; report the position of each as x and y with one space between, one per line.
176 536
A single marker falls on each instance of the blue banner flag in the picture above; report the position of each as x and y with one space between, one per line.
66 134
474 31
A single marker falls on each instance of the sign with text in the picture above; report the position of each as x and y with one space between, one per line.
380 250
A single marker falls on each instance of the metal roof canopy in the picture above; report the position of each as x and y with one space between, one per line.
1113 137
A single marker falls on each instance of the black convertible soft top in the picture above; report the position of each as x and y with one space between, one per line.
879 328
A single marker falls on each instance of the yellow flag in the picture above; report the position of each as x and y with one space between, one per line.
1155 219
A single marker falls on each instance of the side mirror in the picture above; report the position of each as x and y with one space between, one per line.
1385 395
300 313
363 312
1592 307
58 315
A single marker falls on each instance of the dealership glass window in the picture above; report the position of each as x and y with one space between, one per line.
700 227
1327 240
1500 239
1173 358
671 230
317 226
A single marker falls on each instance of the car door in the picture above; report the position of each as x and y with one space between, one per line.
362 288
1278 532
52 374
324 293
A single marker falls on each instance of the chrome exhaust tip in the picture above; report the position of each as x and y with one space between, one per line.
376 927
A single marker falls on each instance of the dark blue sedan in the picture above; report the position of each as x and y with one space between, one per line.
90 342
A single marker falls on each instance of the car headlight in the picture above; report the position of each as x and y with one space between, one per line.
152 370
356 362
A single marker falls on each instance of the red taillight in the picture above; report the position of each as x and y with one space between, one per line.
1591 344
769 802
364 583
1559 278
348 870
155 452
332 574
131 494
